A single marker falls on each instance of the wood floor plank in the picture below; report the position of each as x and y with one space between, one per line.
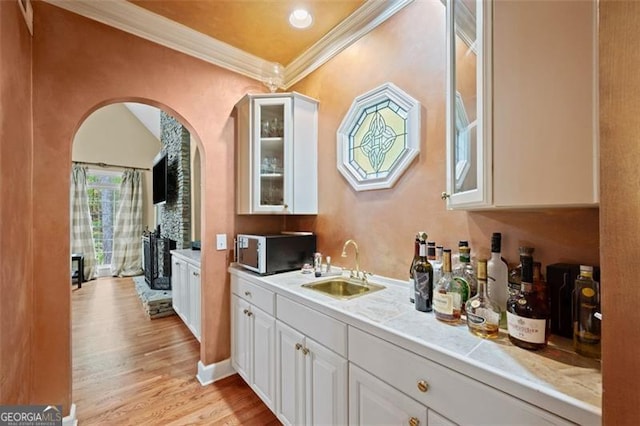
130 370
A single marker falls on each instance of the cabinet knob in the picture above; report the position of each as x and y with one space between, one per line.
298 346
423 386
286 206
246 311
195 274
445 195
250 313
413 421
305 351
247 293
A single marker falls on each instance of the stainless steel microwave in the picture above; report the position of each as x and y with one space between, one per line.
270 254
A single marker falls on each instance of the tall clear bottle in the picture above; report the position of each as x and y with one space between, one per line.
483 314
498 274
586 303
447 294
455 256
528 317
423 280
465 274
437 264
416 255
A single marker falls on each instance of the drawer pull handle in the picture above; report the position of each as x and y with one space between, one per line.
413 421
423 386
298 346
305 351
247 293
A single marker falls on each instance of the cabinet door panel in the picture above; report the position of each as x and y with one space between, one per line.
176 285
373 402
194 300
240 333
326 376
264 352
290 372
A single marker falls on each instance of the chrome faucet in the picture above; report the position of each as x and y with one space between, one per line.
355 274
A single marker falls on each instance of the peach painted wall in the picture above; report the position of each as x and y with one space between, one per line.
16 260
79 66
409 50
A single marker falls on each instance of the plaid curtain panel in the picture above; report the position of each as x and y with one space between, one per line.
126 260
81 232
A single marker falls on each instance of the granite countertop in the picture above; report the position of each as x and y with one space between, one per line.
191 256
555 378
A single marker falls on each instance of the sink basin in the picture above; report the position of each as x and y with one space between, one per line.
341 288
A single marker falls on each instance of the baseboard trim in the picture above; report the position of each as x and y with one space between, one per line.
208 374
71 419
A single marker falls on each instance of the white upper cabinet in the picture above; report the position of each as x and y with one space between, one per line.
521 104
277 154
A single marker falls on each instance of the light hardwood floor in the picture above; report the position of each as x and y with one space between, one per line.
129 370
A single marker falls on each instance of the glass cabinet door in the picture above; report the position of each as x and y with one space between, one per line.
272 154
468 103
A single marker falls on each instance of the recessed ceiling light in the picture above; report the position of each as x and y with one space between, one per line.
300 18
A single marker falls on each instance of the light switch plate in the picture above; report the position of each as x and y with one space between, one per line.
221 241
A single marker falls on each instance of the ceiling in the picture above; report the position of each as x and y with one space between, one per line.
258 27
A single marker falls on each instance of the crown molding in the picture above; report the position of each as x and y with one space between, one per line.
358 24
138 21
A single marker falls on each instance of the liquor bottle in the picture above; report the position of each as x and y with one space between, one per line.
483 314
437 264
498 273
586 303
455 257
416 255
466 275
539 285
423 280
516 272
431 257
447 294
528 318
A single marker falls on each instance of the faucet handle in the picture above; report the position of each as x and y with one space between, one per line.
365 275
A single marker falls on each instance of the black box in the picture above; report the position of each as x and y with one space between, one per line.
561 278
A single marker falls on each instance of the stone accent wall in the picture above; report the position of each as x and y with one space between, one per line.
175 214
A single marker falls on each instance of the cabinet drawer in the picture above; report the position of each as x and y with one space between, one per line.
320 327
446 389
256 295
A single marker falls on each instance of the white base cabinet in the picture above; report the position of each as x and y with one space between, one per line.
311 381
253 338
185 289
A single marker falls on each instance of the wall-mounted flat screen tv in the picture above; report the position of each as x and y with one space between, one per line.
160 179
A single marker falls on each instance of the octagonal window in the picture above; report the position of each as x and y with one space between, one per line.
378 138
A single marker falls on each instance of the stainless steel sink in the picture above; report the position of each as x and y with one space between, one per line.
342 288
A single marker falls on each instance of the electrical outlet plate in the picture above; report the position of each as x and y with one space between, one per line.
221 241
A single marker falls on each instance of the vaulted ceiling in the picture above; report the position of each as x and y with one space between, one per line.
259 27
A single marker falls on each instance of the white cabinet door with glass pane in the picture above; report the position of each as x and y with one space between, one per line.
277 154
521 104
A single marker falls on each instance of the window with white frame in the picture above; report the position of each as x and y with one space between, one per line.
103 190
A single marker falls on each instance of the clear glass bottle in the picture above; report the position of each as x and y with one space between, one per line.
483 314
498 274
423 280
528 317
447 294
437 264
586 303
416 255
465 274
455 257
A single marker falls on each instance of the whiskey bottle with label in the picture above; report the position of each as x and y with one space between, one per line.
483 314
528 317
423 280
465 274
586 303
447 294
